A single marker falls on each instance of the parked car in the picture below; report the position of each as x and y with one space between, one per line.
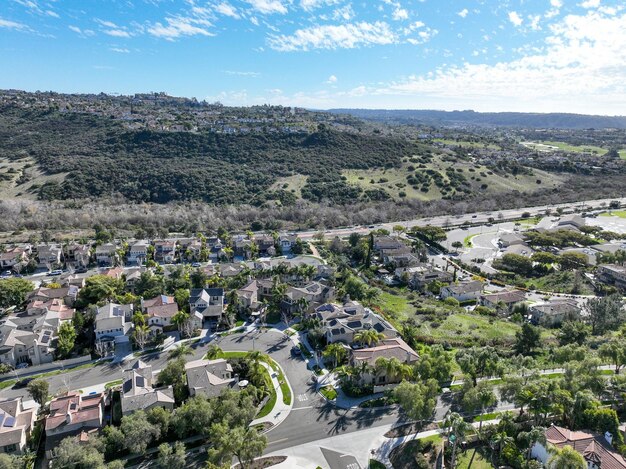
295 350
53 273
22 383
21 366
81 270
196 264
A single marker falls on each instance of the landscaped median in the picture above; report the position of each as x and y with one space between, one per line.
278 386
10 382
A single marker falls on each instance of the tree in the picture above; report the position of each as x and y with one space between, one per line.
392 368
194 417
336 352
140 335
8 461
99 288
573 260
172 457
13 291
214 351
66 339
113 441
174 375
499 441
615 351
38 390
529 438
244 443
182 320
161 418
432 233
573 332
566 458
479 397
604 313
436 363
417 400
70 453
478 362
180 351
368 337
138 432
516 263
198 278
527 339
456 429
457 245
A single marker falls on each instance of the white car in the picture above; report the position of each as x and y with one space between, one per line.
21 366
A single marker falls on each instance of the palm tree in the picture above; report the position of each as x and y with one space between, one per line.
335 351
368 337
214 351
180 320
534 435
180 351
566 458
500 440
456 428
393 368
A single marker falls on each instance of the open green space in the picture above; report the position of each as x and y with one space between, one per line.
549 146
329 392
467 242
480 461
466 143
614 213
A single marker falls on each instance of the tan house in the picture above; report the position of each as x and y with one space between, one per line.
138 392
209 377
16 424
388 349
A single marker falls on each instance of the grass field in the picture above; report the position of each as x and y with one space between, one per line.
466 144
614 213
291 184
394 181
467 242
481 460
548 146
11 171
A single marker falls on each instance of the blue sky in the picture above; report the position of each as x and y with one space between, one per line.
486 55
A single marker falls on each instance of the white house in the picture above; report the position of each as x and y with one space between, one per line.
113 322
465 291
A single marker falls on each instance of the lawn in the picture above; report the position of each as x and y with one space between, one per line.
467 242
396 307
269 405
614 213
557 146
329 392
481 461
470 326
112 384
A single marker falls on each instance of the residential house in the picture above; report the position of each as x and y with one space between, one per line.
70 415
596 450
106 254
230 270
342 322
138 392
387 242
388 348
265 244
13 257
612 274
209 377
159 312
114 272
571 221
287 241
165 251
78 255
25 346
242 247
16 424
306 298
464 291
67 294
419 277
138 253
508 298
554 312
207 301
132 276
113 323
253 293
49 255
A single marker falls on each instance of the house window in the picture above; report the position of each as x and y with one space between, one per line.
10 448
381 379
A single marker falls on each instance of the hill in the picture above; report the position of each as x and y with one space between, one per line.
493 119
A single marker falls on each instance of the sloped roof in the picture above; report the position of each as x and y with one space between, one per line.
592 446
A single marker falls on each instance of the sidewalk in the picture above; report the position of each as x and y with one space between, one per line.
280 410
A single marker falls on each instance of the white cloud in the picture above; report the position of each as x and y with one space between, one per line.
331 80
227 9
515 18
309 5
463 13
590 4
82 32
556 3
241 73
345 13
120 50
345 36
13 25
176 27
400 14
582 57
268 7
117 33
